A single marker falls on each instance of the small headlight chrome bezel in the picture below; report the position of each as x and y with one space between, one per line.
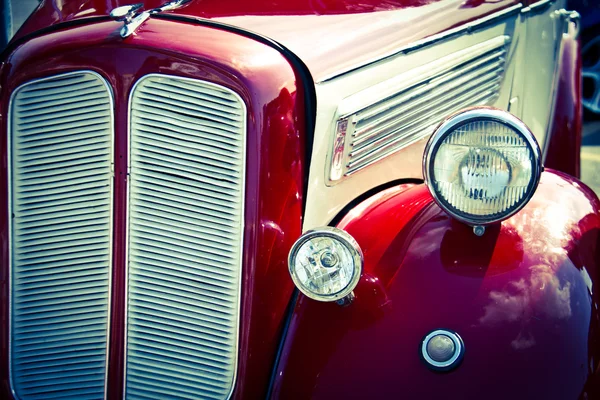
348 242
455 121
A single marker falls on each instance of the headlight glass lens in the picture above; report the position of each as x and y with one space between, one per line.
325 264
483 167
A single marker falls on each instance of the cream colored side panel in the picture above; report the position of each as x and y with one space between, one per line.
324 201
534 84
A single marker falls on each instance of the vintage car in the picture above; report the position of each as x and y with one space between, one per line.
296 199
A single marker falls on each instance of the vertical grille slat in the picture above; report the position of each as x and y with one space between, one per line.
61 206
187 155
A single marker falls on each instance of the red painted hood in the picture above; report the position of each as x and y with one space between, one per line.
330 36
274 177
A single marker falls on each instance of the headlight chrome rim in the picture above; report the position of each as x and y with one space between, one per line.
348 242
461 118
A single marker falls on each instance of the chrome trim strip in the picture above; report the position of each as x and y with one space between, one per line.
339 145
242 229
469 27
10 220
535 7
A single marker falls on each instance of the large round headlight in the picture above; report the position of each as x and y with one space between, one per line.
482 165
325 264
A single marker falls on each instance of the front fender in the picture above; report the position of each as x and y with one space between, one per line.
524 298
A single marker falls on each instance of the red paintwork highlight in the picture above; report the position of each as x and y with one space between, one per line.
328 35
518 296
275 163
564 137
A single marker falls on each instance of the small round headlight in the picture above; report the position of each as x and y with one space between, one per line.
482 165
325 264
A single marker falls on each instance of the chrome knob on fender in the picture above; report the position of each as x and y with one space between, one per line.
442 350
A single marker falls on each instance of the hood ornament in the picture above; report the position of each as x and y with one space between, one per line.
132 19
125 13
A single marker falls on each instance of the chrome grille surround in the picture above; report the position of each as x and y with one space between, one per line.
406 108
60 132
187 174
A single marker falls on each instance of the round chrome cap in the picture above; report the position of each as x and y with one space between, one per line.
442 350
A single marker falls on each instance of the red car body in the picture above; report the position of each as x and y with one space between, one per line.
524 297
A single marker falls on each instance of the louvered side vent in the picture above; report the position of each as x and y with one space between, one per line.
185 236
61 155
423 98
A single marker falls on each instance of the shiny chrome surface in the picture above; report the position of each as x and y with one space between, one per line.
473 115
406 108
349 243
125 13
457 350
60 141
537 6
171 5
187 157
133 21
571 17
338 156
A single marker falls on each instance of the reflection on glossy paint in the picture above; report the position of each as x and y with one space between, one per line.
257 60
541 295
588 280
373 294
379 197
545 292
489 259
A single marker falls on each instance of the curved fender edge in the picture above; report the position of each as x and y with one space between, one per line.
563 141
523 297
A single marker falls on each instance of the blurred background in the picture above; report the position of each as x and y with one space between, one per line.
15 12
590 51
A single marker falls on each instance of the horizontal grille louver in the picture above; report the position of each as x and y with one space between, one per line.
185 237
410 114
61 154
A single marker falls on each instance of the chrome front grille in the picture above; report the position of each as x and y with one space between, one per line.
187 158
421 99
60 138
